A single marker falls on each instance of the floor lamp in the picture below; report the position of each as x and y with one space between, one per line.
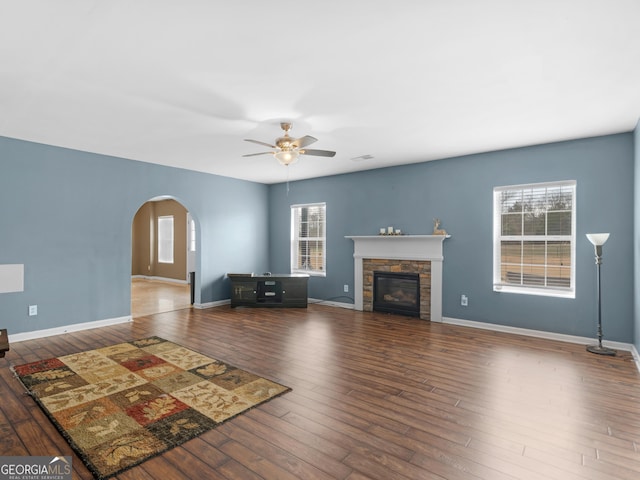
598 239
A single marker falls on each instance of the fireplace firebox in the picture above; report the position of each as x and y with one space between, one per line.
396 293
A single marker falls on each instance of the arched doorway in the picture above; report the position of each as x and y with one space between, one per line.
162 257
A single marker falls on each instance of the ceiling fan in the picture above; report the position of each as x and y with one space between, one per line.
287 149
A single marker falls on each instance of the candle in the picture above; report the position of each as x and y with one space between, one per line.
382 231
390 230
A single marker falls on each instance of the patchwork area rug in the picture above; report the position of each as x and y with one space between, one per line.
121 405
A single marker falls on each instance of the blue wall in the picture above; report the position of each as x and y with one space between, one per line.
67 216
459 191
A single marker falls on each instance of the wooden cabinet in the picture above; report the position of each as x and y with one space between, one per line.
281 290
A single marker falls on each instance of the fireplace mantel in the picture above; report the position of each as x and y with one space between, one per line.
401 247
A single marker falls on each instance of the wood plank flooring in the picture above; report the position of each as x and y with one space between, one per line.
374 396
156 296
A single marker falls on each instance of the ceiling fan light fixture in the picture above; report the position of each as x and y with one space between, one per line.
287 150
286 157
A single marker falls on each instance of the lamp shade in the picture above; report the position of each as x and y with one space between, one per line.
286 157
597 239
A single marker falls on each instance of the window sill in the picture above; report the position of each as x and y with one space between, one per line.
542 292
311 273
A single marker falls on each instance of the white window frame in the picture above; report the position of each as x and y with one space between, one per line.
552 291
191 235
295 240
166 243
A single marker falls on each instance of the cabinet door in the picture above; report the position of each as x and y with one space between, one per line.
244 292
295 292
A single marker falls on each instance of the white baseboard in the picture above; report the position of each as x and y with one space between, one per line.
636 356
218 303
76 327
629 347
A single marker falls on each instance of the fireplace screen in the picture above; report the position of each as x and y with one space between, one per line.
396 293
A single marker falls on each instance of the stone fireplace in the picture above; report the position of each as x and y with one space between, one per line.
420 254
420 267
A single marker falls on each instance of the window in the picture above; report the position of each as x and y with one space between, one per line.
165 239
534 239
308 240
192 234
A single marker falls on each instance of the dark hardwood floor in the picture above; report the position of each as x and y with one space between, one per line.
374 396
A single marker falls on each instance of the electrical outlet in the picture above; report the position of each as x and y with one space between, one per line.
33 310
346 288
464 300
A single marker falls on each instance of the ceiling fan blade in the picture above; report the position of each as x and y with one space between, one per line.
260 143
319 153
261 153
303 141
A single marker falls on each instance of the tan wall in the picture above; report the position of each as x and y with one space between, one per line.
141 255
144 256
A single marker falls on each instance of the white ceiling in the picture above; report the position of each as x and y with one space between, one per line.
183 82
